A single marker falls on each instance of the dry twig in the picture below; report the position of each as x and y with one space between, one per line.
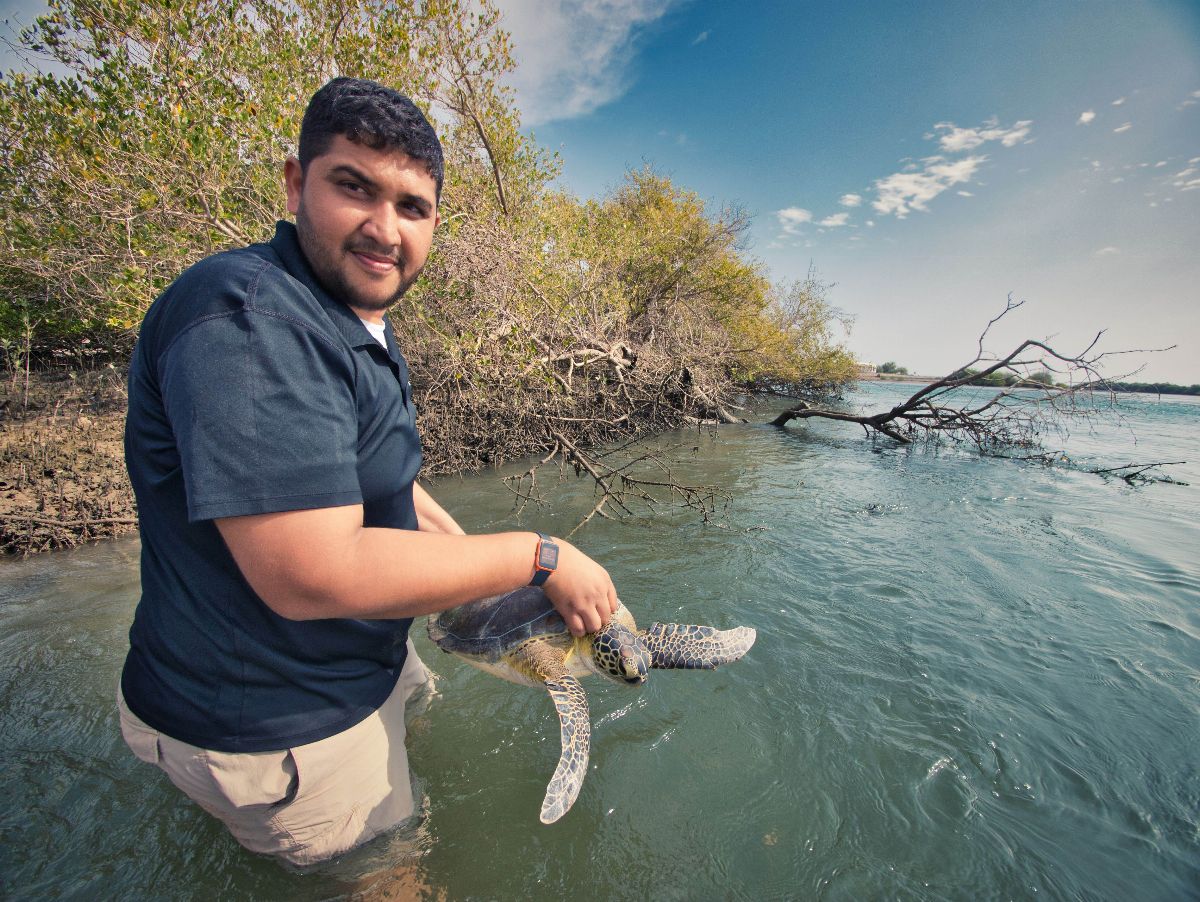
1013 417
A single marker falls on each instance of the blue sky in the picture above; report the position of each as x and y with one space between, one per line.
927 158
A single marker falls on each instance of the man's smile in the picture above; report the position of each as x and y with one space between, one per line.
376 263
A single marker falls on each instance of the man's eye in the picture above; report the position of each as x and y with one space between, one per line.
353 187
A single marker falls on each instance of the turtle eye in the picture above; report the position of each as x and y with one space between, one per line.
634 668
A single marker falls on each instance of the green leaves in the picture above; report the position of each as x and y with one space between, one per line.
167 137
165 142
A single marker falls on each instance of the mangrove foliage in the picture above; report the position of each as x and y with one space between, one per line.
544 322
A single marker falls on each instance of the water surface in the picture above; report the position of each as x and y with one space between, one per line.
973 679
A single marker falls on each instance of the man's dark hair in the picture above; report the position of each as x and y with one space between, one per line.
369 113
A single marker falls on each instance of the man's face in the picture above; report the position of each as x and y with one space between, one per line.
365 219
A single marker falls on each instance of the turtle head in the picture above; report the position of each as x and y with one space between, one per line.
619 654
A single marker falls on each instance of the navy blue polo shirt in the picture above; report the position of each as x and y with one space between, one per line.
251 390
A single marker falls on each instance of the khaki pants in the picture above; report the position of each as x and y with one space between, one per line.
304 804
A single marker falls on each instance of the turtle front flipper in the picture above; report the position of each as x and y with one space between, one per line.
545 662
575 734
677 646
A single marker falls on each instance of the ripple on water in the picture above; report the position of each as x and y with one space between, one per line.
973 679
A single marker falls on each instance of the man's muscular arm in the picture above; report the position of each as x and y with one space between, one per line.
322 563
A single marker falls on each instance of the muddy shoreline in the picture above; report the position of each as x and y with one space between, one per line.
62 462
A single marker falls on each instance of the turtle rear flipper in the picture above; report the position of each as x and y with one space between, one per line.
544 661
678 646
575 734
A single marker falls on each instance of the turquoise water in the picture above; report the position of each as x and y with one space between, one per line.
973 679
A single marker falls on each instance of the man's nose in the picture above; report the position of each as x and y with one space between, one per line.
383 226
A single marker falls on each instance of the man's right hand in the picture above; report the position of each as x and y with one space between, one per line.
581 591
320 563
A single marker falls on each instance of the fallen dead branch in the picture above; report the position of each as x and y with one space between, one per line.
1013 417
1135 474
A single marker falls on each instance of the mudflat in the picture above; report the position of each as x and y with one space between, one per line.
62 464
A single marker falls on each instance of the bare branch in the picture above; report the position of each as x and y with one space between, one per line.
1014 417
1134 474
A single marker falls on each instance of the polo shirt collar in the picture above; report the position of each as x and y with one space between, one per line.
286 245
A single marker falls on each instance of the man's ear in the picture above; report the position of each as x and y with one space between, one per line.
293 180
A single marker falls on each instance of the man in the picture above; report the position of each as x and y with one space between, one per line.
286 545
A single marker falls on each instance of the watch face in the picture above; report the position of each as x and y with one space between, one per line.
547 556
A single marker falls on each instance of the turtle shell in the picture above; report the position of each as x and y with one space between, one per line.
492 627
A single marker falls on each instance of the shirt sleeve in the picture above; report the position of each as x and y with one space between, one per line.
263 412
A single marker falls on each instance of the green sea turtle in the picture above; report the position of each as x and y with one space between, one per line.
519 637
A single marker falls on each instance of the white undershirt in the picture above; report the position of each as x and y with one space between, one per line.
377 330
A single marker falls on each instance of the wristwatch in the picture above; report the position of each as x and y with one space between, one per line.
545 561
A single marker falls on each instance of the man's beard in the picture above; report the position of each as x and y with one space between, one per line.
328 269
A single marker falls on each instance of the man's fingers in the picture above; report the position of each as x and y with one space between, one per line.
575 624
592 620
582 591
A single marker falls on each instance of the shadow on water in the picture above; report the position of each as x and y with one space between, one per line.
973 679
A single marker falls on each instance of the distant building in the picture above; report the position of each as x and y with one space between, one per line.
866 370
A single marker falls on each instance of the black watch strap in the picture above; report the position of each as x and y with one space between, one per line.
545 561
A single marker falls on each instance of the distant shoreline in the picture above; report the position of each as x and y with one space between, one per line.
893 377
1120 388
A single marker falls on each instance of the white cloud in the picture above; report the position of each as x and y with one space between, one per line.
1186 179
1107 251
850 200
835 221
1118 101
1122 128
700 38
573 55
902 192
871 223
792 218
1086 116
1160 164
955 139
917 184
965 194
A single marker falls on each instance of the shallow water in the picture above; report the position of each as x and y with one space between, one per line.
973 678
